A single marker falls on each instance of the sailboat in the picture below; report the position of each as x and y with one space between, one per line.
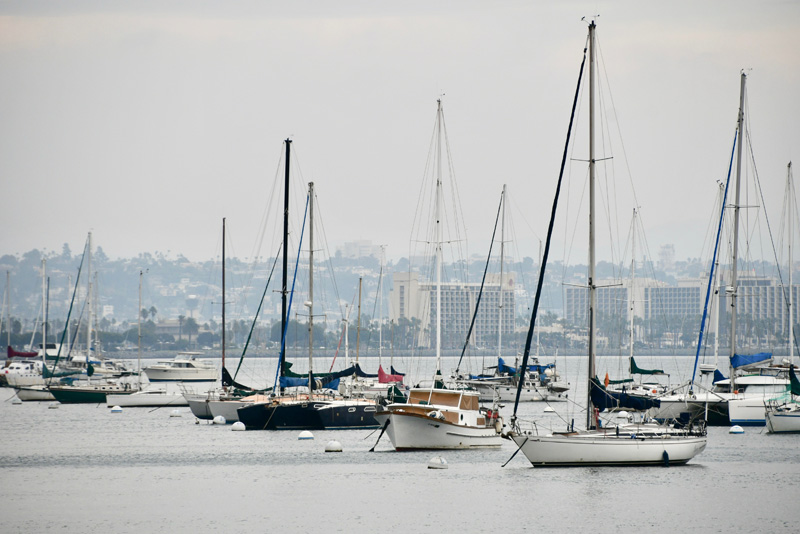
302 410
89 391
540 381
435 417
613 445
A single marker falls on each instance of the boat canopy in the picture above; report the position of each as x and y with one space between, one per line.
743 360
602 399
636 370
535 368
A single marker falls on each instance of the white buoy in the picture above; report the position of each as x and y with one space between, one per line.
736 429
238 425
622 415
175 413
116 409
52 406
305 434
549 409
220 420
437 462
333 446
16 401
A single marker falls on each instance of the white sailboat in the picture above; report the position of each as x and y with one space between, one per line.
785 417
435 417
614 445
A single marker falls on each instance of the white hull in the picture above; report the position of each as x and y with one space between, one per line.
598 448
409 431
226 408
747 411
151 398
199 404
181 375
783 421
34 393
509 394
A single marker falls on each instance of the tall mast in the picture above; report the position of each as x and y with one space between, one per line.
139 337
734 258
380 309
438 216
592 294
358 321
89 301
310 302
44 311
716 288
502 250
790 197
284 292
633 283
8 307
223 293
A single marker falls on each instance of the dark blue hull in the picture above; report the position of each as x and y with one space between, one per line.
289 416
336 416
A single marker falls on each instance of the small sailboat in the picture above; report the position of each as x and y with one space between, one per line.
436 417
634 444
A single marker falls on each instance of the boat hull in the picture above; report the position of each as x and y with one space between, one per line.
199 405
85 395
346 414
181 375
34 393
780 422
282 416
608 450
146 399
409 432
227 409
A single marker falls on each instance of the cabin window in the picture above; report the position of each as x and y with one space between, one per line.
351 410
369 408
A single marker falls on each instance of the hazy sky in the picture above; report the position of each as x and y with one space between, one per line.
147 122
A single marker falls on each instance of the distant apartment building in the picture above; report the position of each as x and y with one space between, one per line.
759 298
412 299
360 249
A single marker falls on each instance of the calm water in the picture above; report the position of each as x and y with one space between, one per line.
80 468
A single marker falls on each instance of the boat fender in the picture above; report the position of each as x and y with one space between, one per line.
665 457
498 424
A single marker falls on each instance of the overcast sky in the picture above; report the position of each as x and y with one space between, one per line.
147 122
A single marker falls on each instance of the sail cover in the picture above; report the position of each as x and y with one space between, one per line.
743 360
603 399
636 370
718 376
386 378
19 354
535 368
794 382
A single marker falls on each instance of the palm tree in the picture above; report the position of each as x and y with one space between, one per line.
181 318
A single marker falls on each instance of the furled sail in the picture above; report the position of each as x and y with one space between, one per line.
603 399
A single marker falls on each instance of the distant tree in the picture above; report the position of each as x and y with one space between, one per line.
191 327
181 319
153 312
144 313
66 253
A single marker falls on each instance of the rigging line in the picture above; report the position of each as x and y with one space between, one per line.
713 266
480 292
291 297
258 311
769 227
529 338
329 260
69 312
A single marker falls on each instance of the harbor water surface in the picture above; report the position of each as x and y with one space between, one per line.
81 468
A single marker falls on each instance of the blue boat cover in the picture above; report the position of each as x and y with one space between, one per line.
718 376
507 369
289 382
603 399
741 360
